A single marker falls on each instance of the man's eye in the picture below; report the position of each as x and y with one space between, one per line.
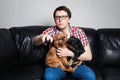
63 16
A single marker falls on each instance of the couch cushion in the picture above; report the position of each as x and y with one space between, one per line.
28 72
8 51
111 73
109 47
97 72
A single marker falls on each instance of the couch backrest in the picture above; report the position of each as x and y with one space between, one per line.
93 41
8 51
109 47
28 53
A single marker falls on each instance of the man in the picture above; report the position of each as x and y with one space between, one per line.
62 18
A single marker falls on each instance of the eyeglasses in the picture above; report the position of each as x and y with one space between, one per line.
60 17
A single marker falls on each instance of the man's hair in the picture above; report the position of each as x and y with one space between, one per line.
64 8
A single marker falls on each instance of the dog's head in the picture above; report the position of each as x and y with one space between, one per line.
75 45
60 40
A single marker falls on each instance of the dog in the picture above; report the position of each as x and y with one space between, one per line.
61 41
52 59
75 45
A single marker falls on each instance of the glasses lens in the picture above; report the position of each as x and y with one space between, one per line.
61 17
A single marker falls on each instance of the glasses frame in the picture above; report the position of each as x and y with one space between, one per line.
61 17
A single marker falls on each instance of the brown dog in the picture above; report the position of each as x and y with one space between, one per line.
52 59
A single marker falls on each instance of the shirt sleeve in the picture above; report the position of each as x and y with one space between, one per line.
82 37
49 31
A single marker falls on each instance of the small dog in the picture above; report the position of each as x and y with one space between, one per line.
75 45
52 59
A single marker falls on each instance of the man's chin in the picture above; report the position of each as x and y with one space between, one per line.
61 27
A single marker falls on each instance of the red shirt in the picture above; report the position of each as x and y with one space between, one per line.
74 31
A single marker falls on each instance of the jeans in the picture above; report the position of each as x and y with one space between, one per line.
83 72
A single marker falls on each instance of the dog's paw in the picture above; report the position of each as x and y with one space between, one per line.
67 65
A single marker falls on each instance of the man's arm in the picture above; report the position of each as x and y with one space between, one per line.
37 40
41 39
87 55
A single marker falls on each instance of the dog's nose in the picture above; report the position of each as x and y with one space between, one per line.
63 39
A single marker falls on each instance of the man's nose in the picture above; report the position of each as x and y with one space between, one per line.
60 19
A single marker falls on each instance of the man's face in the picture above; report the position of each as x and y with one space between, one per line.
61 19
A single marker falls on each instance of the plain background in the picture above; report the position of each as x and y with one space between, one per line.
85 13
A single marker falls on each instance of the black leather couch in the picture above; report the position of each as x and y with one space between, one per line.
21 60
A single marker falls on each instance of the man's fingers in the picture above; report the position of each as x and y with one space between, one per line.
43 38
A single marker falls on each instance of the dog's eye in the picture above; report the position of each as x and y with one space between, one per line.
59 39
64 37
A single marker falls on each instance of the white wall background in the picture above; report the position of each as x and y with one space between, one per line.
85 13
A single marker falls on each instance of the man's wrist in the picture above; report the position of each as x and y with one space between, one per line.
72 54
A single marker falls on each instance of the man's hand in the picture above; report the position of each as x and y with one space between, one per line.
41 39
64 52
46 37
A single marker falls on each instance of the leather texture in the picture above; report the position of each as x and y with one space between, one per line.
109 47
21 60
109 53
8 52
29 54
